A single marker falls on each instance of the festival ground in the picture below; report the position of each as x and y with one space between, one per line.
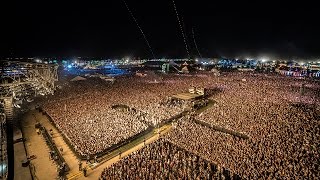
256 117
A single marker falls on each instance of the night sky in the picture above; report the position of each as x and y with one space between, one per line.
106 29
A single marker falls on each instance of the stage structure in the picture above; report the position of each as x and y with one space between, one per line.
194 93
194 99
22 81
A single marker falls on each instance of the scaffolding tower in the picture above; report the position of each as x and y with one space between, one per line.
21 81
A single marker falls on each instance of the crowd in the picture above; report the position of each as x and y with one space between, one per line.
244 107
163 160
274 156
284 131
283 137
92 133
156 113
82 111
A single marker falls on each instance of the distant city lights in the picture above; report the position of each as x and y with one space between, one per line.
127 59
38 60
263 60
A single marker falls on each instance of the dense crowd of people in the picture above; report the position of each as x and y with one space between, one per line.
283 135
159 112
93 133
283 153
163 160
87 119
284 131
243 105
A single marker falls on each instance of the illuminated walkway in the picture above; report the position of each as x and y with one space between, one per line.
35 145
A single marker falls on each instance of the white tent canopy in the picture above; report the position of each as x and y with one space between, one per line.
185 69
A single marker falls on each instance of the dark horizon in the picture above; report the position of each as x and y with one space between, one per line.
242 29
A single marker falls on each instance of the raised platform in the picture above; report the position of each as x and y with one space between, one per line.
187 96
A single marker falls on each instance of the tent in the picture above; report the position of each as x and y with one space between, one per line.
78 78
185 69
185 63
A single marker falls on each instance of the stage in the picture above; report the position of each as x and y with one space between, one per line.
187 96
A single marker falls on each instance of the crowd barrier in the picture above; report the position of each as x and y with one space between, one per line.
53 147
121 106
221 129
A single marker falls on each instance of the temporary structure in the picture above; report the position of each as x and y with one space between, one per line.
185 69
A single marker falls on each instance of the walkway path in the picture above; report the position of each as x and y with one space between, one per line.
20 173
217 128
70 158
35 145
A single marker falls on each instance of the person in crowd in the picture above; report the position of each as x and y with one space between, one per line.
80 165
84 170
